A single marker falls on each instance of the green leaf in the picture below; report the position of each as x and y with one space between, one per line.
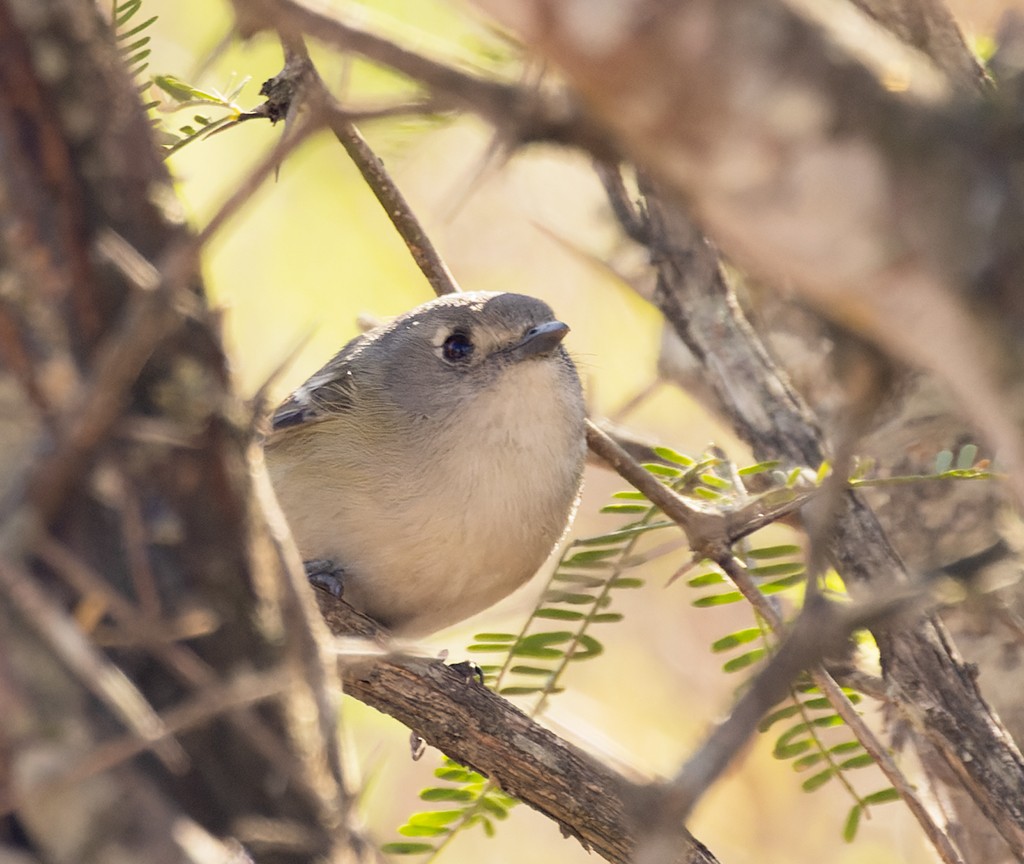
791 733
774 551
733 640
670 455
538 653
539 645
967 456
406 848
495 637
142 43
590 555
785 568
817 780
775 716
782 568
484 648
624 534
495 805
559 614
630 495
127 34
659 470
788 751
943 461
530 670
436 818
845 747
852 823
884 796
411 830
580 579
808 761
456 774
606 618
626 582
824 469
759 468
718 599
861 761
744 660
715 482
588 565
573 599
137 58
545 639
781 584
624 508
182 91
130 10
591 647
711 578
441 793
523 691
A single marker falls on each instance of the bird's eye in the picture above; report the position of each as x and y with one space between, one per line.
457 348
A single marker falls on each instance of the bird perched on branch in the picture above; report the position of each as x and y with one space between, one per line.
434 463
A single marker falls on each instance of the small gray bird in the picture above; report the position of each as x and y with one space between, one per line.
435 460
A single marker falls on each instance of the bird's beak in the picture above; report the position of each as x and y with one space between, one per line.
540 339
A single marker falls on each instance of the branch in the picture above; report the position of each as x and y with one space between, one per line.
522 115
929 682
811 170
107 323
484 731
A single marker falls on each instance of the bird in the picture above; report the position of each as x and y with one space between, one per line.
435 462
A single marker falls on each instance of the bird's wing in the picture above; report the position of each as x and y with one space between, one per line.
328 392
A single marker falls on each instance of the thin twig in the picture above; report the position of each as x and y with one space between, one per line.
848 712
821 629
217 699
395 205
181 660
522 114
101 677
305 127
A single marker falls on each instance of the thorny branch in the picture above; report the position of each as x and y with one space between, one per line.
522 116
710 535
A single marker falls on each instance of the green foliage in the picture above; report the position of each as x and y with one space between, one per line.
582 590
964 465
183 97
775 569
478 803
816 741
133 44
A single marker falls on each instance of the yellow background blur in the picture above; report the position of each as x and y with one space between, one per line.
312 250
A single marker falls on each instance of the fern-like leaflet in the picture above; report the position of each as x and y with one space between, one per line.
580 594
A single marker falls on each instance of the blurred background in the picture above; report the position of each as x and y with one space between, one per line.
313 250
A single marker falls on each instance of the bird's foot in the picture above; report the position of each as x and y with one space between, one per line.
469 670
325 575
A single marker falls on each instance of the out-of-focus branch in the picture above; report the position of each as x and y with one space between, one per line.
104 322
521 114
826 156
696 300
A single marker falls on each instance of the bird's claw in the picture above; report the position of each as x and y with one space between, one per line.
326 575
469 670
